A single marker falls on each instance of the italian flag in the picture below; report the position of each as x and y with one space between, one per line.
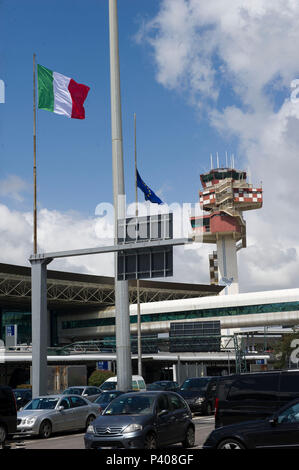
60 94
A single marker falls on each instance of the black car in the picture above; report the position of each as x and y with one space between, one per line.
199 393
143 420
281 430
254 396
8 413
169 385
22 396
106 397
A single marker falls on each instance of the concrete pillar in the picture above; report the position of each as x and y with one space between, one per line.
228 265
39 326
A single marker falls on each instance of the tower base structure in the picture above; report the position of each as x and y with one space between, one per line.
228 264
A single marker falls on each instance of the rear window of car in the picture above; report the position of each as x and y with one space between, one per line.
73 391
261 387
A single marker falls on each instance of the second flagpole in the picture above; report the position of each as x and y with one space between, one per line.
139 346
34 163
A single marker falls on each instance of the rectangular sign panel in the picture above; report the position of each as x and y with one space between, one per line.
145 263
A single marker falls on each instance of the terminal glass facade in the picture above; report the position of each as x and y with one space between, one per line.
188 314
20 318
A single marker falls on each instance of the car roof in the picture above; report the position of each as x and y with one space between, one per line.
58 395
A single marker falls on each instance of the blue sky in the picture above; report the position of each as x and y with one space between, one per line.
74 157
201 76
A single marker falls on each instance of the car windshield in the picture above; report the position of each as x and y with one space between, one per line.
42 404
107 397
156 386
109 386
195 384
73 391
131 405
19 394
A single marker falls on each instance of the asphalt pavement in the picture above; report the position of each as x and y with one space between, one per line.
203 426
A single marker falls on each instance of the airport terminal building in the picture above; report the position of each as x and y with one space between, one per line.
187 329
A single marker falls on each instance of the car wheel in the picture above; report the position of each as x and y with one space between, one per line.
45 429
150 441
89 420
230 444
189 438
2 434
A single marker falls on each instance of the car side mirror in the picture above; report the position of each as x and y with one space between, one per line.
162 413
273 421
60 408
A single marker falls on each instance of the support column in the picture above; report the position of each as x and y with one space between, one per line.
122 313
39 315
228 264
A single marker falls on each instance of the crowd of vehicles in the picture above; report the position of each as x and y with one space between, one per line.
251 410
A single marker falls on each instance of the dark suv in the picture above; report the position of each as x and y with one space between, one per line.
254 396
8 413
199 393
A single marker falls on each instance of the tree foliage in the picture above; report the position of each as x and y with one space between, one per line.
99 376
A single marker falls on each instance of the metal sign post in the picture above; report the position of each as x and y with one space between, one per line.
39 264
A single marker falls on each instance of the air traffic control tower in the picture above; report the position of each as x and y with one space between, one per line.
225 196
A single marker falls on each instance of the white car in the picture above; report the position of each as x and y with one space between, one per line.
55 413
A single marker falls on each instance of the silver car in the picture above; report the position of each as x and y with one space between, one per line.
45 415
88 392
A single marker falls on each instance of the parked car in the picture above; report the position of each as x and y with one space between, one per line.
254 396
281 430
142 420
22 396
164 385
200 393
55 413
8 413
138 383
89 392
106 397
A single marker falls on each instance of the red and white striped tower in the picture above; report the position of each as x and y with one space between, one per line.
225 196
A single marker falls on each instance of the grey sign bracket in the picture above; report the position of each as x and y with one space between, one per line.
39 309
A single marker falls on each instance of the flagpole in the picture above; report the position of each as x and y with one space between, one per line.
34 163
137 282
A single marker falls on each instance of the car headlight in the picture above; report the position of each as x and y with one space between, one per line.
200 400
29 421
132 428
90 429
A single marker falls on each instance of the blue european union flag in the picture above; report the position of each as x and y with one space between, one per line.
149 195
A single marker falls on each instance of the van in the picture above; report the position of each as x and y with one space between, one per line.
8 413
254 396
138 383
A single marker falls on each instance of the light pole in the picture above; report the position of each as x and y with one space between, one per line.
122 313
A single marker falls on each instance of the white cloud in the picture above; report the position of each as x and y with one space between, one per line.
250 48
13 186
66 231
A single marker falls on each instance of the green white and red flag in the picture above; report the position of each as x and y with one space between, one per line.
60 94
